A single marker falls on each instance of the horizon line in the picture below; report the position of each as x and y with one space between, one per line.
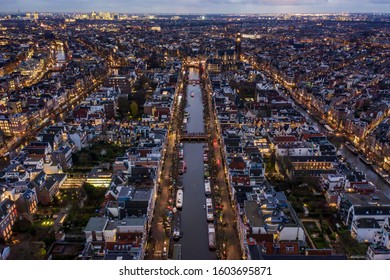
207 13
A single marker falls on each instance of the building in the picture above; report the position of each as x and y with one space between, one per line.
5 124
228 59
364 229
47 186
238 46
115 239
354 207
123 83
8 216
63 156
99 178
377 252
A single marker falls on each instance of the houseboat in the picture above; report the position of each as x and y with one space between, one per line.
207 188
379 170
365 159
182 167
351 148
177 225
211 234
179 199
209 210
176 252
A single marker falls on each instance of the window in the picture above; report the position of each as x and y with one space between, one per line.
290 248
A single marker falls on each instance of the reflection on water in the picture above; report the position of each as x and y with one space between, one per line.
359 165
194 224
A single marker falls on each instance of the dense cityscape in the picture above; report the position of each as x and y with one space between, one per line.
140 136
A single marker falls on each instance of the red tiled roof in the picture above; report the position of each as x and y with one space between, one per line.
284 139
310 135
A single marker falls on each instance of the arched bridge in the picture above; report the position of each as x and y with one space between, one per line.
194 82
194 137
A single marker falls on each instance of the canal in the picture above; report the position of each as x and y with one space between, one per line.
60 56
361 166
194 224
351 158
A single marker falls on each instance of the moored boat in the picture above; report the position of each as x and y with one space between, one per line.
380 171
351 148
366 160
179 199
182 167
177 225
209 210
176 252
211 234
207 188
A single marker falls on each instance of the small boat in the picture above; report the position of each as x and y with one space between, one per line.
183 167
209 210
176 252
192 94
211 234
351 148
181 153
179 199
177 225
207 188
366 160
379 170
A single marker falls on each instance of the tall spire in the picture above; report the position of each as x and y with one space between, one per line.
238 46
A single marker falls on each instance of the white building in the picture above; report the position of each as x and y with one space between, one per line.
297 149
364 230
376 252
382 236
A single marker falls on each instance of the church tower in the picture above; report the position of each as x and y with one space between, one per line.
238 47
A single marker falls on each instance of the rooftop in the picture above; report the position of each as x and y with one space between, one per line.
96 224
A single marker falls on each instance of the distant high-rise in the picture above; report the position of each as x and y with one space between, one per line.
238 46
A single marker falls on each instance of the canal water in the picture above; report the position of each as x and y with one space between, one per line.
351 158
194 223
60 56
361 166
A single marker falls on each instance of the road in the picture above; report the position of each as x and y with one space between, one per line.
233 249
158 237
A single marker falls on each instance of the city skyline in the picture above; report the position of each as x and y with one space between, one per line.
201 6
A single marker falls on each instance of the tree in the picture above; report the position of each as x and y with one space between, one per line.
134 109
124 106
